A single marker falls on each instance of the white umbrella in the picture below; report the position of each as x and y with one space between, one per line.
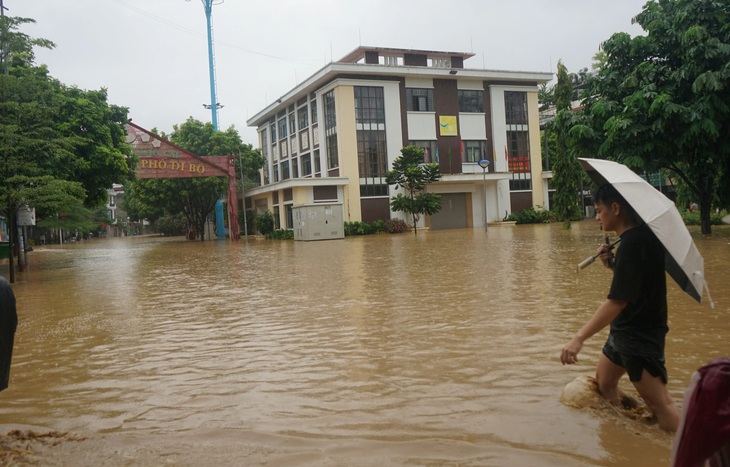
682 260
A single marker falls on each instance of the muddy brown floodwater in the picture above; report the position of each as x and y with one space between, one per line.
435 349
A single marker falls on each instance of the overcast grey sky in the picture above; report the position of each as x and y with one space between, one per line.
152 54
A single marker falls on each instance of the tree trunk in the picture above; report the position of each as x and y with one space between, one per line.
705 212
201 231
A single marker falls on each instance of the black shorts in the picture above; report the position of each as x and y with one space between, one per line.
635 364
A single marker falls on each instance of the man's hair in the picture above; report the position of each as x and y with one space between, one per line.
607 194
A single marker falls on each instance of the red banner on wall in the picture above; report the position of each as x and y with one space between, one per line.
519 164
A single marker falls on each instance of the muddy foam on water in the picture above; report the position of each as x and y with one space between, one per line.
582 393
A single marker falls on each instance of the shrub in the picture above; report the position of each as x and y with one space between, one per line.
532 216
396 226
357 228
171 226
693 218
264 223
349 229
281 234
378 226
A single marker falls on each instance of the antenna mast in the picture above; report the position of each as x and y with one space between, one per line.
214 104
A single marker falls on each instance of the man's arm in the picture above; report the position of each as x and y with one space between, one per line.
603 316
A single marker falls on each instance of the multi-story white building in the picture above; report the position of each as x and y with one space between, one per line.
332 138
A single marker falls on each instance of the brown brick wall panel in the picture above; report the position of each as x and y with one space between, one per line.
374 209
446 102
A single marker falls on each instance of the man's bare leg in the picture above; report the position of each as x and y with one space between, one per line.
656 396
608 374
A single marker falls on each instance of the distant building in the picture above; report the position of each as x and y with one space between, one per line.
332 138
114 211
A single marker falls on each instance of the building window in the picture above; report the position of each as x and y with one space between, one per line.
285 170
289 216
471 101
330 130
332 159
306 165
303 118
369 105
419 100
277 221
317 163
267 177
372 150
273 131
430 150
276 172
295 168
368 191
518 160
323 194
292 124
313 104
474 151
372 153
265 143
282 128
515 107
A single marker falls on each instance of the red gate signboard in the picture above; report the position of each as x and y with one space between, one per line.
159 158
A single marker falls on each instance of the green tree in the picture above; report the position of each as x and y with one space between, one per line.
660 100
101 157
194 197
567 172
16 48
413 175
52 136
545 96
76 217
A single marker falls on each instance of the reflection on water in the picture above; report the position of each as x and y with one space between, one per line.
430 349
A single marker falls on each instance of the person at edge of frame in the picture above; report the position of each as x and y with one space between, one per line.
635 308
8 325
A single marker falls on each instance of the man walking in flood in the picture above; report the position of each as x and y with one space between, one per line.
636 309
8 324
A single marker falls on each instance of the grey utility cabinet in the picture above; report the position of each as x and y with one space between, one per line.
318 222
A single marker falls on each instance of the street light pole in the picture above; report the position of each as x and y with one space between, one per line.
484 164
214 105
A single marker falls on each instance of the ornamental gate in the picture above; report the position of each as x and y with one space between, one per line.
159 158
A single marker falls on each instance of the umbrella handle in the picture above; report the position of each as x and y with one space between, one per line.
588 261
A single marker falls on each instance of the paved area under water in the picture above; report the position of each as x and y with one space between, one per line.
435 349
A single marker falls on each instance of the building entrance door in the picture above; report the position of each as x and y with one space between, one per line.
452 214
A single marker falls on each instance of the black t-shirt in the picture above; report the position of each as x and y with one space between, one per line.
640 280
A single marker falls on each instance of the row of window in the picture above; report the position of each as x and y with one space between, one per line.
421 100
304 166
370 114
372 143
373 159
282 125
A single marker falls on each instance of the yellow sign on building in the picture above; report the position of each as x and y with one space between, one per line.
447 125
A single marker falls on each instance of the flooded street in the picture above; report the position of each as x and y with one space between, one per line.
436 349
